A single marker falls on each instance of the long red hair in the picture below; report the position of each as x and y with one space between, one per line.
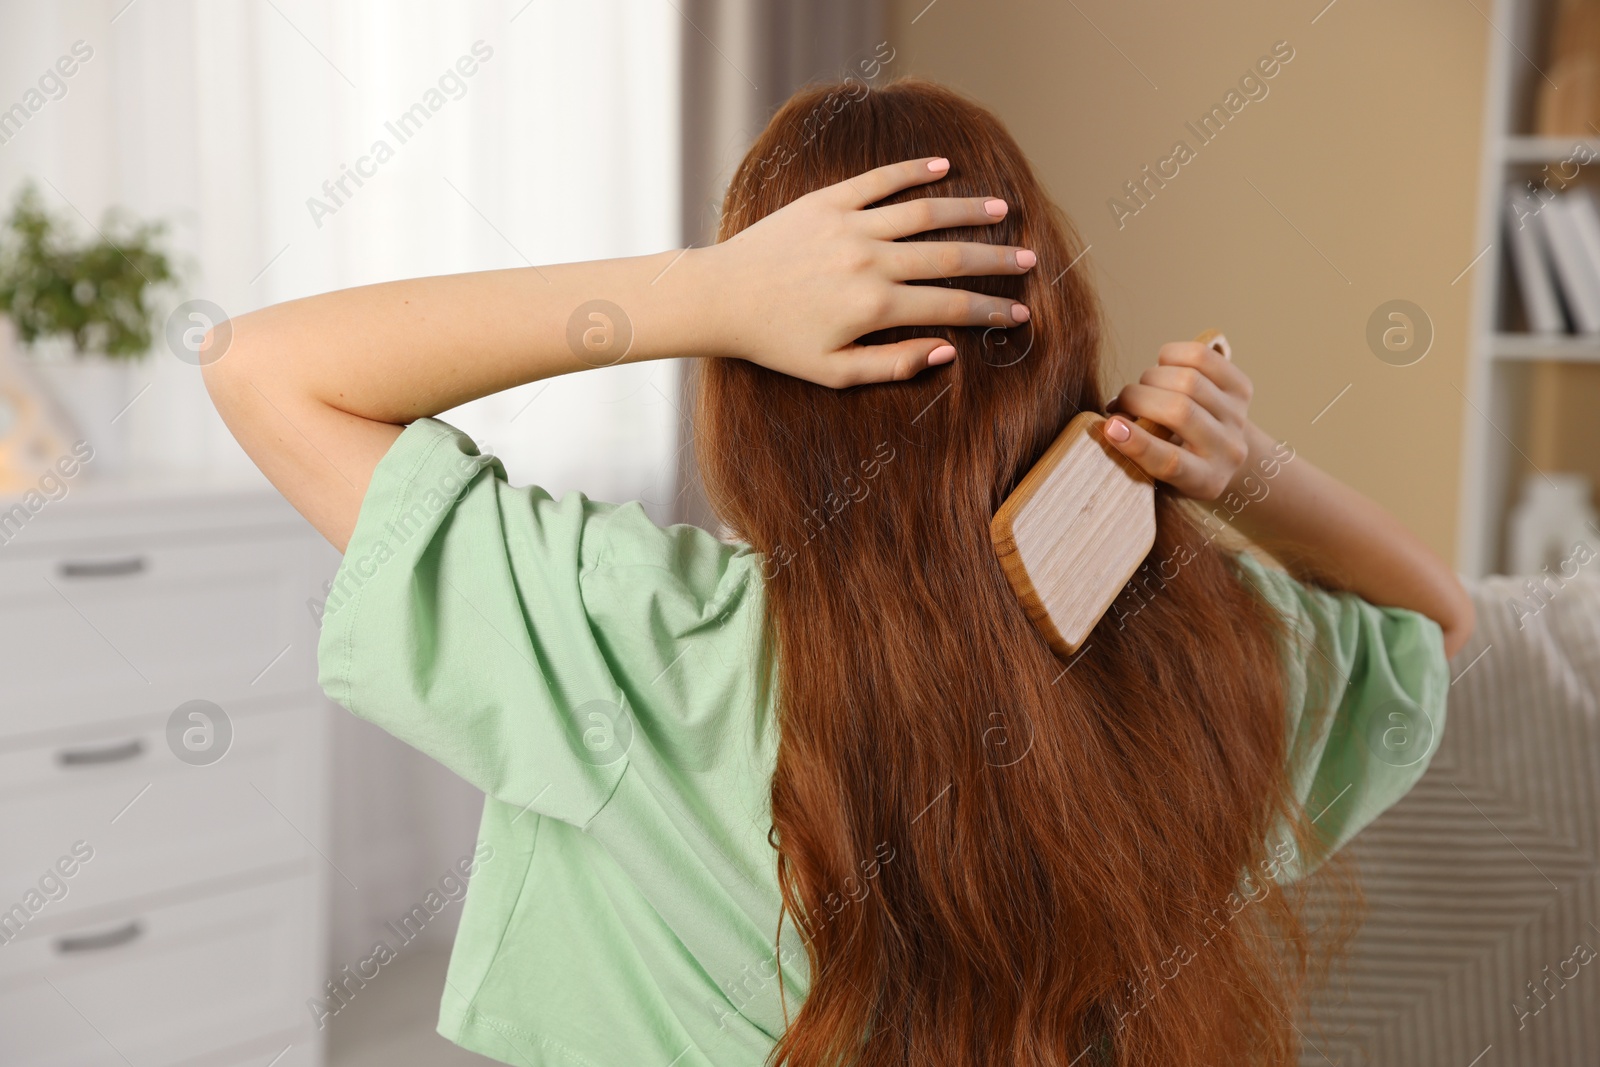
1066 844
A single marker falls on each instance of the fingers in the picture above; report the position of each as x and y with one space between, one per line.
956 259
935 305
1175 411
1198 394
1160 459
1219 439
1197 387
861 364
1215 366
880 182
934 213
903 305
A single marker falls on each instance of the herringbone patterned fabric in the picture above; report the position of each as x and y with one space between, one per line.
1482 942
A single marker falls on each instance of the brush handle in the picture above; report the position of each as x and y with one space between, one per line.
1210 338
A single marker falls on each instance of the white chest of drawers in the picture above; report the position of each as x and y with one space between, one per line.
157 910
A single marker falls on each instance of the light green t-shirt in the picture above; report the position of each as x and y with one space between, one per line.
595 675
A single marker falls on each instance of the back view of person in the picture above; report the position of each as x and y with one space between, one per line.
1064 838
815 791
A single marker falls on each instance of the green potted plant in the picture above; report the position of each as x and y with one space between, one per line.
83 309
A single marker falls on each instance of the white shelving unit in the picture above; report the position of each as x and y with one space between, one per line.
1499 373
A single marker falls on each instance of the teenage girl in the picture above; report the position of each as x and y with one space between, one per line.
815 791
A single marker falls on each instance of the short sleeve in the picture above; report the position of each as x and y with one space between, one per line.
1384 672
457 620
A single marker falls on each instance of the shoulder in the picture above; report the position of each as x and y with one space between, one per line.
486 623
1342 625
655 587
625 548
1366 689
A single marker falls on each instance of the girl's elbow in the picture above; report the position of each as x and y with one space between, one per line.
220 381
1460 622
221 361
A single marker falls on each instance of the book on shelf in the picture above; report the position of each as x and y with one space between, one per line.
1531 263
1585 216
1565 219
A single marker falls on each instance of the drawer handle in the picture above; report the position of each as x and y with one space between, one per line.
83 757
101 941
106 568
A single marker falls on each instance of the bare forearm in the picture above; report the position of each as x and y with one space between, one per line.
398 351
1345 533
1325 531
316 390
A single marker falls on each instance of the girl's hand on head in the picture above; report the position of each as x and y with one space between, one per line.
800 286
1203 399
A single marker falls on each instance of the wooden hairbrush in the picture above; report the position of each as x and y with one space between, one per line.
1078 526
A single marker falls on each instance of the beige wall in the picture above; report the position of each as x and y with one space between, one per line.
1367 142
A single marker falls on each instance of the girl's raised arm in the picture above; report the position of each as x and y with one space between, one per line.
317 389
1204 397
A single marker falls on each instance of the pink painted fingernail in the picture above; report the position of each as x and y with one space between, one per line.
997 208
1020 313
942 354
1117 430
1026 259
938 165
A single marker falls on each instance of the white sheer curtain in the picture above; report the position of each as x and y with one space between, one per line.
561 146
228 116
